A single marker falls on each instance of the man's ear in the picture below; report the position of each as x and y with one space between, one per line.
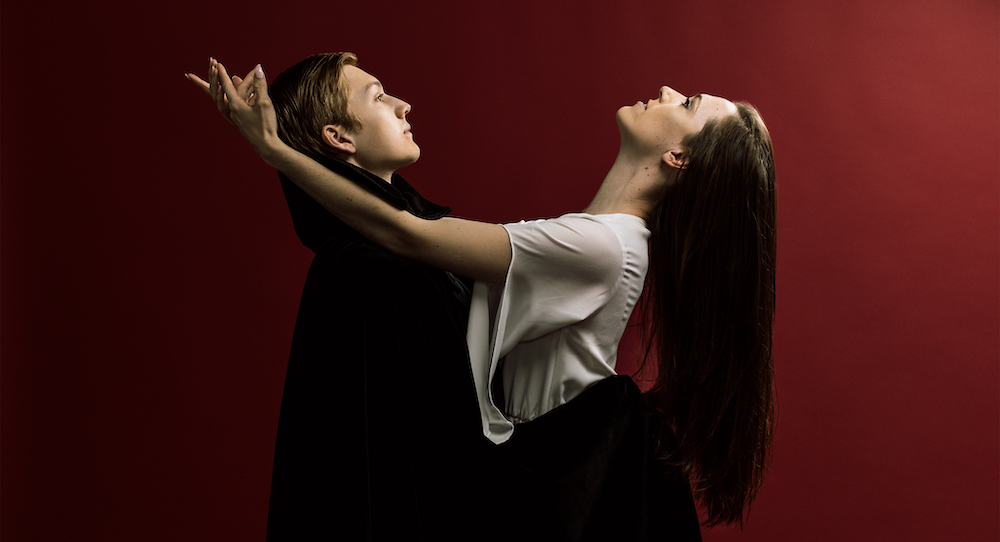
335 136
675 159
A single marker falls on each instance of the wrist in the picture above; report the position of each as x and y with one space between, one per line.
274 152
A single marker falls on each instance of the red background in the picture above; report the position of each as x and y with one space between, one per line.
150 274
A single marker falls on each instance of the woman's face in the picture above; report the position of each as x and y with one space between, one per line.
659 125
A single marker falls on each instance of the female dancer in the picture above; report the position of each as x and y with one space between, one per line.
695 177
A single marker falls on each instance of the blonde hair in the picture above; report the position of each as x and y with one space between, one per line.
310 95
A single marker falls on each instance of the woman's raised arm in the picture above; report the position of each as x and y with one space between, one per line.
474 249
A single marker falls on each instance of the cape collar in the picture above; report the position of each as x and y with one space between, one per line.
399 194
319 229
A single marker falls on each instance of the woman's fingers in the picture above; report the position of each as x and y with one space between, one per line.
231 93
247 81
211 87
227 95
244 87
228 91
198 82
260 86
243 90
213 79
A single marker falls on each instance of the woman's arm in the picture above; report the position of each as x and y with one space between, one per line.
474 249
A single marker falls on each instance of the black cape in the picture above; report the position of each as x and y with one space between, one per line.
379 435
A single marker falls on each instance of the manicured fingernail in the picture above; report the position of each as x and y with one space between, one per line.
258 73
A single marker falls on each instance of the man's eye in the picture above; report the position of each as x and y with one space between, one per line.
379 97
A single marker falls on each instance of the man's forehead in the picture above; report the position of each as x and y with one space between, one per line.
360 80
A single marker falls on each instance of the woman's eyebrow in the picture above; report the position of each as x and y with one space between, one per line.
696 97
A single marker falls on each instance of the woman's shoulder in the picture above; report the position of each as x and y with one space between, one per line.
573 232
580 220
628 231
619 222
577 244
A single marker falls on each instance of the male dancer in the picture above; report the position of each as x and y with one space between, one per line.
379 433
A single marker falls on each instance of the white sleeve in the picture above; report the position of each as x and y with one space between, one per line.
562 271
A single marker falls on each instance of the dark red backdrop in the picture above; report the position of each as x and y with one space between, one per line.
150 275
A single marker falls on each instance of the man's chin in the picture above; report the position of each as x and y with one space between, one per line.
403 163
414 157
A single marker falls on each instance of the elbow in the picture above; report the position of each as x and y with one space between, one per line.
401 238
397 243
414 238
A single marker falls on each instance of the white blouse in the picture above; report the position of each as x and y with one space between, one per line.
557 319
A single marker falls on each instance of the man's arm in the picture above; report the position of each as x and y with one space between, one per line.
474 249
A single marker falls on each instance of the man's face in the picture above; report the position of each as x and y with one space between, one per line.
384 142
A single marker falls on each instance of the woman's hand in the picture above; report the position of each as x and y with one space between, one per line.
245 104
214 88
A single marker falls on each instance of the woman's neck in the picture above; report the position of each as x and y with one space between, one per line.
630 187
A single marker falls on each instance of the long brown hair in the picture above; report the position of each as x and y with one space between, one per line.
710 306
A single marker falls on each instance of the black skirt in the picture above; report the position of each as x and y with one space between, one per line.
586 471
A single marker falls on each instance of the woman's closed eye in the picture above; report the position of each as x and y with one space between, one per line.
687 103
